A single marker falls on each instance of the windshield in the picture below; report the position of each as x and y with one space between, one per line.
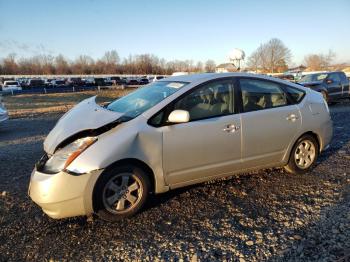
144 98
313 77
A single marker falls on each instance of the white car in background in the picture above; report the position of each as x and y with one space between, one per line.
11 86
155 78
3 112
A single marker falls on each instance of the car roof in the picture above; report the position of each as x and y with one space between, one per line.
203 77
209 76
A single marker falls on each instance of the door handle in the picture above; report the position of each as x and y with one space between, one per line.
292 117
231 128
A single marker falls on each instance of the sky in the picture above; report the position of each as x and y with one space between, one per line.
178 29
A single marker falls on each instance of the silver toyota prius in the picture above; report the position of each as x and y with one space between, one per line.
172 133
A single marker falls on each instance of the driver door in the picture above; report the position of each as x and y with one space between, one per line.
209 144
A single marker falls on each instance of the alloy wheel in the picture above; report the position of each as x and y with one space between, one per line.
122 193
305 154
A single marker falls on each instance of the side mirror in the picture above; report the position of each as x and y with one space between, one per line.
179 116
329 81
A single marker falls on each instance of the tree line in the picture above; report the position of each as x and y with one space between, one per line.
270 57
110 63
274 57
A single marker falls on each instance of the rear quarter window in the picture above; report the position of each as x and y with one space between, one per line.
343 77
295 94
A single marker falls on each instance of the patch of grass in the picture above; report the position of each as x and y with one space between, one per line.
32 105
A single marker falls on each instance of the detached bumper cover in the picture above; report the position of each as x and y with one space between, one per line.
63 195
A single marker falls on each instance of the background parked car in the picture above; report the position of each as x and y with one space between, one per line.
48 82
287 77
143 81
100 81
108 81
11 86
332 85
132 81
118 80
58 83
156 78
89 81
35 83
75 81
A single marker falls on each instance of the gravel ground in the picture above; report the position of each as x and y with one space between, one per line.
266 215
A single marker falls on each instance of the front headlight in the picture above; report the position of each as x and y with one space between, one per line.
63 157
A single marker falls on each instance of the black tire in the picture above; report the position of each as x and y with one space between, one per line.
114 178
292 166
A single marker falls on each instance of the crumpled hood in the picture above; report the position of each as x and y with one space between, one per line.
313 83
87 115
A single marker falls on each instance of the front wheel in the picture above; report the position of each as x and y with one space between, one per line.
303 156
121 192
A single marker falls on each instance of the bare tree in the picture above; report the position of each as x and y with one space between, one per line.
210 66
254 60
109 63
272 56
316 62
9 64
111 57
199 67
278 55
61 64
83 65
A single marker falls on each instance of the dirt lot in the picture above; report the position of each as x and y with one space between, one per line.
265 215
35 105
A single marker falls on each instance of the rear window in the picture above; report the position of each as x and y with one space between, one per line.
296 94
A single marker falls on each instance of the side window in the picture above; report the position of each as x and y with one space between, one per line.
296 94
343 77
334 77
260 94
211 100
157 119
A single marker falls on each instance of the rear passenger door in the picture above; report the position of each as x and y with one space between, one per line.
269 122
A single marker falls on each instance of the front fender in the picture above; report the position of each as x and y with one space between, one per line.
319 88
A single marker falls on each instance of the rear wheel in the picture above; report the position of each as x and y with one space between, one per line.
121 192
303 156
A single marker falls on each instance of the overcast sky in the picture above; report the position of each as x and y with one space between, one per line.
178 29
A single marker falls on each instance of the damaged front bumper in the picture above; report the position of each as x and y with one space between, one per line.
63 195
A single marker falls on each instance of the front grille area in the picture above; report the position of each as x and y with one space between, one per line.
41 163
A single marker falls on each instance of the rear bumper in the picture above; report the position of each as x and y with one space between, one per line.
326 135
63 195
